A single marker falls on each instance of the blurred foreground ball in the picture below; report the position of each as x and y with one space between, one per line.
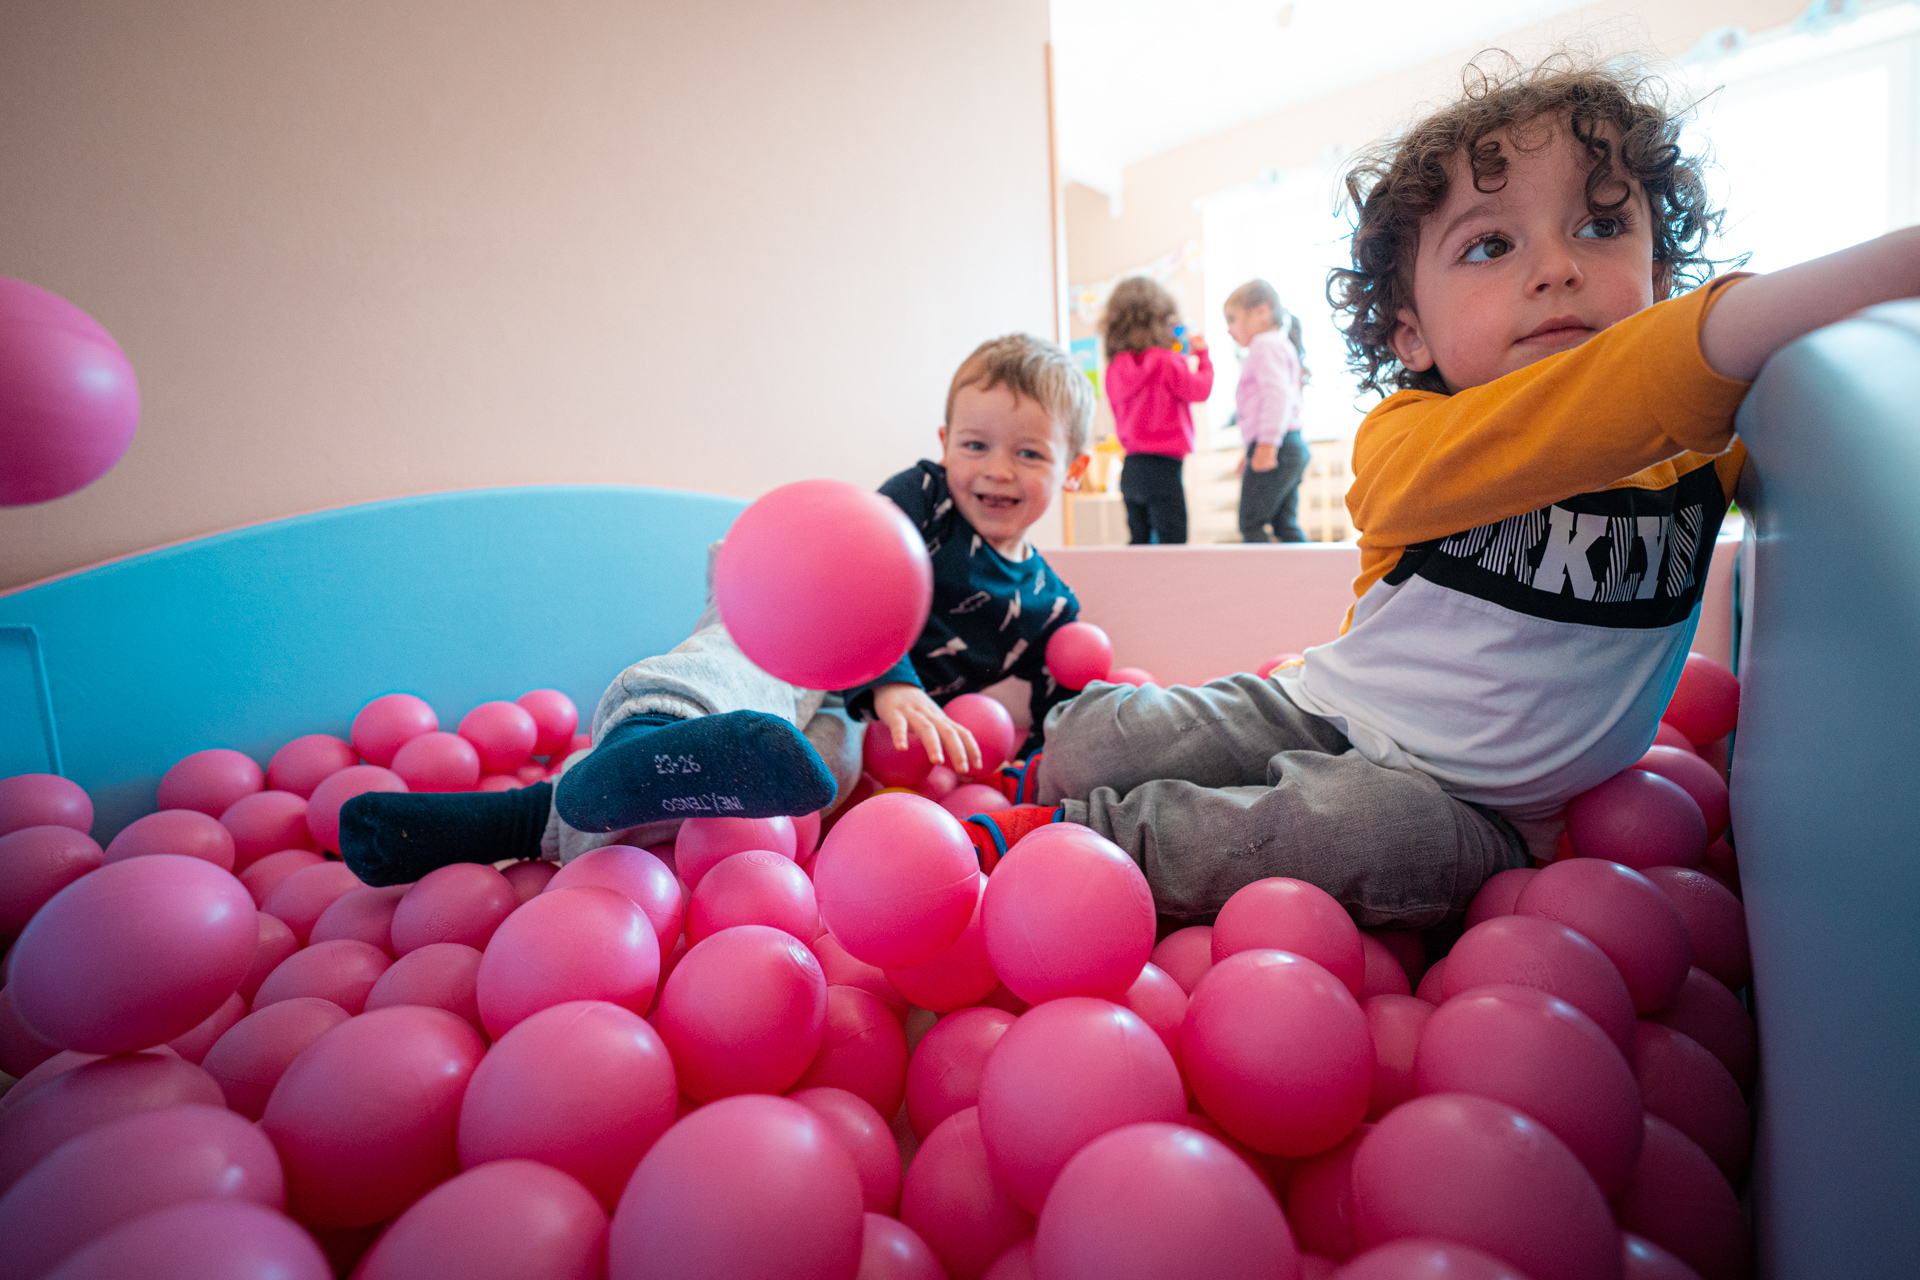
69 404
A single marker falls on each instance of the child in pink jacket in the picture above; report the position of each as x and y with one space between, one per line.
1151 388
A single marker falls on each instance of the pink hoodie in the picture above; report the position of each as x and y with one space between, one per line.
1150 391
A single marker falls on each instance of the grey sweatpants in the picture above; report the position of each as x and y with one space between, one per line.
706 675
1213 787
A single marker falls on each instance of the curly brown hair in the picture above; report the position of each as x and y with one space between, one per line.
1140 314
1619 114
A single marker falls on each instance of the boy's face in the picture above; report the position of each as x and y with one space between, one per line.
1504 278
1005 457
1244 326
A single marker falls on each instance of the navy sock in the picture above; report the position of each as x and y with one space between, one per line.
743 764
395 837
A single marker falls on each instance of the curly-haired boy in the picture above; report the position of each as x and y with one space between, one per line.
1538 499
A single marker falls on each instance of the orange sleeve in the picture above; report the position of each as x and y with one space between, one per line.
1428 465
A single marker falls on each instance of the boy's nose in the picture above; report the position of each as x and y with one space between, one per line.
1555 268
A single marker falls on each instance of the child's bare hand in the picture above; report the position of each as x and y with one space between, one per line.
1197 342
908 712
1266 457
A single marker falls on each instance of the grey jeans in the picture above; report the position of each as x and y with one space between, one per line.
1210 788
706 675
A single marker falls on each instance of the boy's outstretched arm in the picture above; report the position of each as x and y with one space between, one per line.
1759 316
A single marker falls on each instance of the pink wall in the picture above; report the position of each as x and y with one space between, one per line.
358 249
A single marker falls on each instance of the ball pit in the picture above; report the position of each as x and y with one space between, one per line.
210 781
388 723
960 976
1640 819
440 975
342 971
304 896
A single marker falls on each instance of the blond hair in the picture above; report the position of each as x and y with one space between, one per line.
1040 371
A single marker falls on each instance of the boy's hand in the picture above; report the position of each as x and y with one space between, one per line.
908 712
1266 457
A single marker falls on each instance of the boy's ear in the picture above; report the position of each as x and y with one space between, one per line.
1409 344
1077 470
943 439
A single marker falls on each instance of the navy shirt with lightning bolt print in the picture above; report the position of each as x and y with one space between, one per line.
991 616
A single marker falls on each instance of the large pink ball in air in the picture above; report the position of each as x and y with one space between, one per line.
69 403
823 584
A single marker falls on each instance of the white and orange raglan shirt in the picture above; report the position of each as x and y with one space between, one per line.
1522 610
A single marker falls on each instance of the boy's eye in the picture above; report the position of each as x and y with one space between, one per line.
1487 249
1603 229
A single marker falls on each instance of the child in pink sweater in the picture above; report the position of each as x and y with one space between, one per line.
1150 388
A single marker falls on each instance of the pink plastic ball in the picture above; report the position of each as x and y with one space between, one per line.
263 876
991 725
210 781
554 719
274 943
1645 1260
1281 914
940 783
134 1166
639 875
510 1218
892 1250
323 806
586 1087
957 1205
1531 951
1384 976
388 723
499 782
308 761
1696 777
1078 654
69 403
1625 915
961 975
1319 1200
362 914
1160 1003
1544 1058
1017 1264
534 874
1066 1072
1715 921
854 1123
748 1188
342 971
1471 1170
69 1102
1668 736
1430 984
365 1119
1638 819
20 1049
463 902
184 832
1395 1024
437 761
1135 676
823 584
890 765
1156 1201
43 800
504 734
1277 1050
1713 1017
1706 702
133 954
1679 1200
897 880
863 1049
575 944
304 895
974 797
1685 1085
440 975
943 1077
703 842
193 1045
755 887
806 837
744 1012
266 822
1497 895
1408 947
202 1240
255 1052
35 864
1426 1260
1186 954
1068 913
842 970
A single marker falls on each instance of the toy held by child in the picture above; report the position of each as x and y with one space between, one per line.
1538 498
1151 389
703 732
1267 407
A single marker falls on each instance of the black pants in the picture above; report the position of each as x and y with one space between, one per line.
1273 497
1156 501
